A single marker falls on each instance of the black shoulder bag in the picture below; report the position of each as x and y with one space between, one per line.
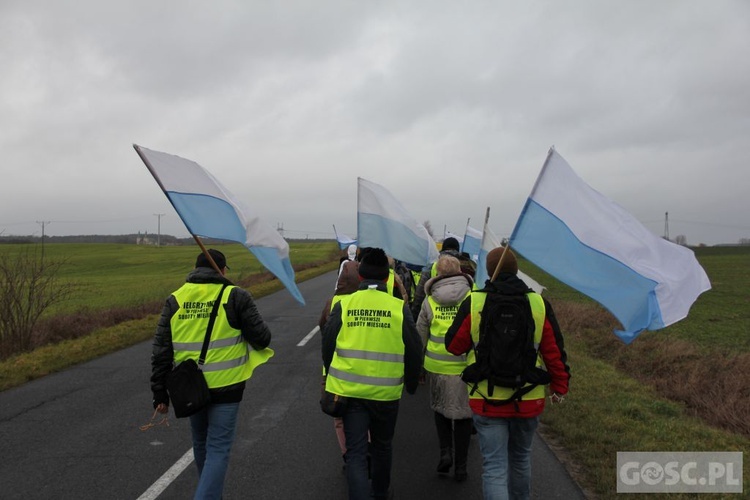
186 384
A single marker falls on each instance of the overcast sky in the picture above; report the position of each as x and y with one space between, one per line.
452 106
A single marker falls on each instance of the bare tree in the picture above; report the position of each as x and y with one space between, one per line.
28 287
681 239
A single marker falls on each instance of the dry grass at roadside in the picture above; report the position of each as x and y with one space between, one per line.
607 412
657 394
88 335
713 384
83 322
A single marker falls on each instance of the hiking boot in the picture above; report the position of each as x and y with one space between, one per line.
446 461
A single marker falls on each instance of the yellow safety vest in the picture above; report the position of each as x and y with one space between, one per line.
417 275
433 270
538 313
391 283
369 359
437 359
229 359
336 299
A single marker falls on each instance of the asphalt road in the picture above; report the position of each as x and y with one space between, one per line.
76 434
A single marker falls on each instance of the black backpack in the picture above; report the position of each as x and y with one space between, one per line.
505 352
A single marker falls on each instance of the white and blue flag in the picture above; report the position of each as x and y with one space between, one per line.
593 245
344 241
209 210
383 222
472 242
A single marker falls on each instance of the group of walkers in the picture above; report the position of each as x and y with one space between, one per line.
485 351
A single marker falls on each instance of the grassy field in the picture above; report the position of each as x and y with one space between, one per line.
112 275
683 388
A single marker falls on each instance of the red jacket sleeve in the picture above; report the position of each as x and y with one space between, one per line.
554 357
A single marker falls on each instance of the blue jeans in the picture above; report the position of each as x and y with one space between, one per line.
379 419
213 431
505 444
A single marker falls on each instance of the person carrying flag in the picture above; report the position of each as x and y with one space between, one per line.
506 418
240 340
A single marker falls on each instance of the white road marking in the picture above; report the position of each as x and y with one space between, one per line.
308 336
165 480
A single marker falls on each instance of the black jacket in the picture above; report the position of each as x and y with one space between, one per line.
242 314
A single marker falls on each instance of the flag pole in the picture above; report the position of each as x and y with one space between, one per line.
465 233
486 221
500 262
502 257
206 253
533 190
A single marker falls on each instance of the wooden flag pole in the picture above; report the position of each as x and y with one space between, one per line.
502 257
207 254
500 262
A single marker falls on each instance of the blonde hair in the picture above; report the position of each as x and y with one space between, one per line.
448 264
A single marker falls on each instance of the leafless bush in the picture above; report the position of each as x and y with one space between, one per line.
28 287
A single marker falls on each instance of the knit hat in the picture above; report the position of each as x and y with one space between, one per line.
374 265
202 260
451 243
510 264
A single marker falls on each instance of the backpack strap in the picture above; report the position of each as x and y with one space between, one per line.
210 327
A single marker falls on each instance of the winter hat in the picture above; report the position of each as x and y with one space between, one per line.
362 252
451 243
351 252
510 264
374 265
202 260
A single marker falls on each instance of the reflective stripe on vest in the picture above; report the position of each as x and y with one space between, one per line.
368 362
229 359
538 312
436 358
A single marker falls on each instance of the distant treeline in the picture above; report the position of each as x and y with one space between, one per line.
131 239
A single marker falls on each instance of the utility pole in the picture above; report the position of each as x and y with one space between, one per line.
158 230
280 228
43 223
666 226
